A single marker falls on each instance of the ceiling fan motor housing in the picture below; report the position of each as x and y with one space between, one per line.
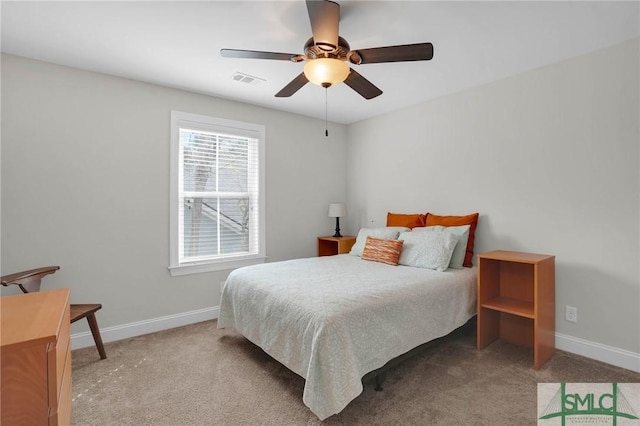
316 51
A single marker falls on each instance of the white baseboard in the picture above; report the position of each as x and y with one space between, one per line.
138 328
609 354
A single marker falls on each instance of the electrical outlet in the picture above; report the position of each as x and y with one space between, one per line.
571 313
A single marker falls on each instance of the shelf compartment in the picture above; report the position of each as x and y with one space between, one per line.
508 305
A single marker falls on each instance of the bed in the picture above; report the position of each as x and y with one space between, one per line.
334 319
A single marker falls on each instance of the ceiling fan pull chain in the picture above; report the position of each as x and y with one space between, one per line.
326 120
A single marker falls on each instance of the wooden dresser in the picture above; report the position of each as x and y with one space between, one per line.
35 359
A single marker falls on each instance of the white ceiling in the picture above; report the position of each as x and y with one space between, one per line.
177 44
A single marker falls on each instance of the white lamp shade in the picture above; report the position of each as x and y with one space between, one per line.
337 210
326 71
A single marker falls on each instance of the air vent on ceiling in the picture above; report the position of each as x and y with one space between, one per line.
247 79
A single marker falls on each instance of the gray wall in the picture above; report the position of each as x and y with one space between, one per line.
548 158
85 185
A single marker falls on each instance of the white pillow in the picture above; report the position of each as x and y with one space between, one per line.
431 250
457 258
386 233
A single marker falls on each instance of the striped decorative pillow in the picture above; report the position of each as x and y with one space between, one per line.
385 251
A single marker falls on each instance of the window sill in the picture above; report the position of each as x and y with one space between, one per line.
221 265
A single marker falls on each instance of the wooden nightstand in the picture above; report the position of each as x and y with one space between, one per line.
328 246
516 301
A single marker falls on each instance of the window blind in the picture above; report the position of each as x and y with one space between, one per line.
218 192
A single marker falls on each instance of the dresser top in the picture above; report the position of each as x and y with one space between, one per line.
38 317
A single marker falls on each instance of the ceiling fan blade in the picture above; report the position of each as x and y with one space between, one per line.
291 88
402 53
254 54
324 17
364 87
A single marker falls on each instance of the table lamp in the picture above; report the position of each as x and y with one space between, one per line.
337 210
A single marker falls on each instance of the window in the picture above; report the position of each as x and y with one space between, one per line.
217 194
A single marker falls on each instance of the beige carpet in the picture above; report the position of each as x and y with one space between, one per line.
199 375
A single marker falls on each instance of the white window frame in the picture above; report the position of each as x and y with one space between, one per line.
215 125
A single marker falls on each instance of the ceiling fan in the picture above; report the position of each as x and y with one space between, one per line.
327 54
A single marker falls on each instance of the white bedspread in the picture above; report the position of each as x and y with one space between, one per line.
333 319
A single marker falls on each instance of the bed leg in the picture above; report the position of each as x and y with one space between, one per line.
379 380
470 326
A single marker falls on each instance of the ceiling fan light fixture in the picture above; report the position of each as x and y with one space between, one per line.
326 71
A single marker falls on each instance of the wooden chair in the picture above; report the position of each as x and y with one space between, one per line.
29 282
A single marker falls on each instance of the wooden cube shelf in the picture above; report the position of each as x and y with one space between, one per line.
516 301
329 246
